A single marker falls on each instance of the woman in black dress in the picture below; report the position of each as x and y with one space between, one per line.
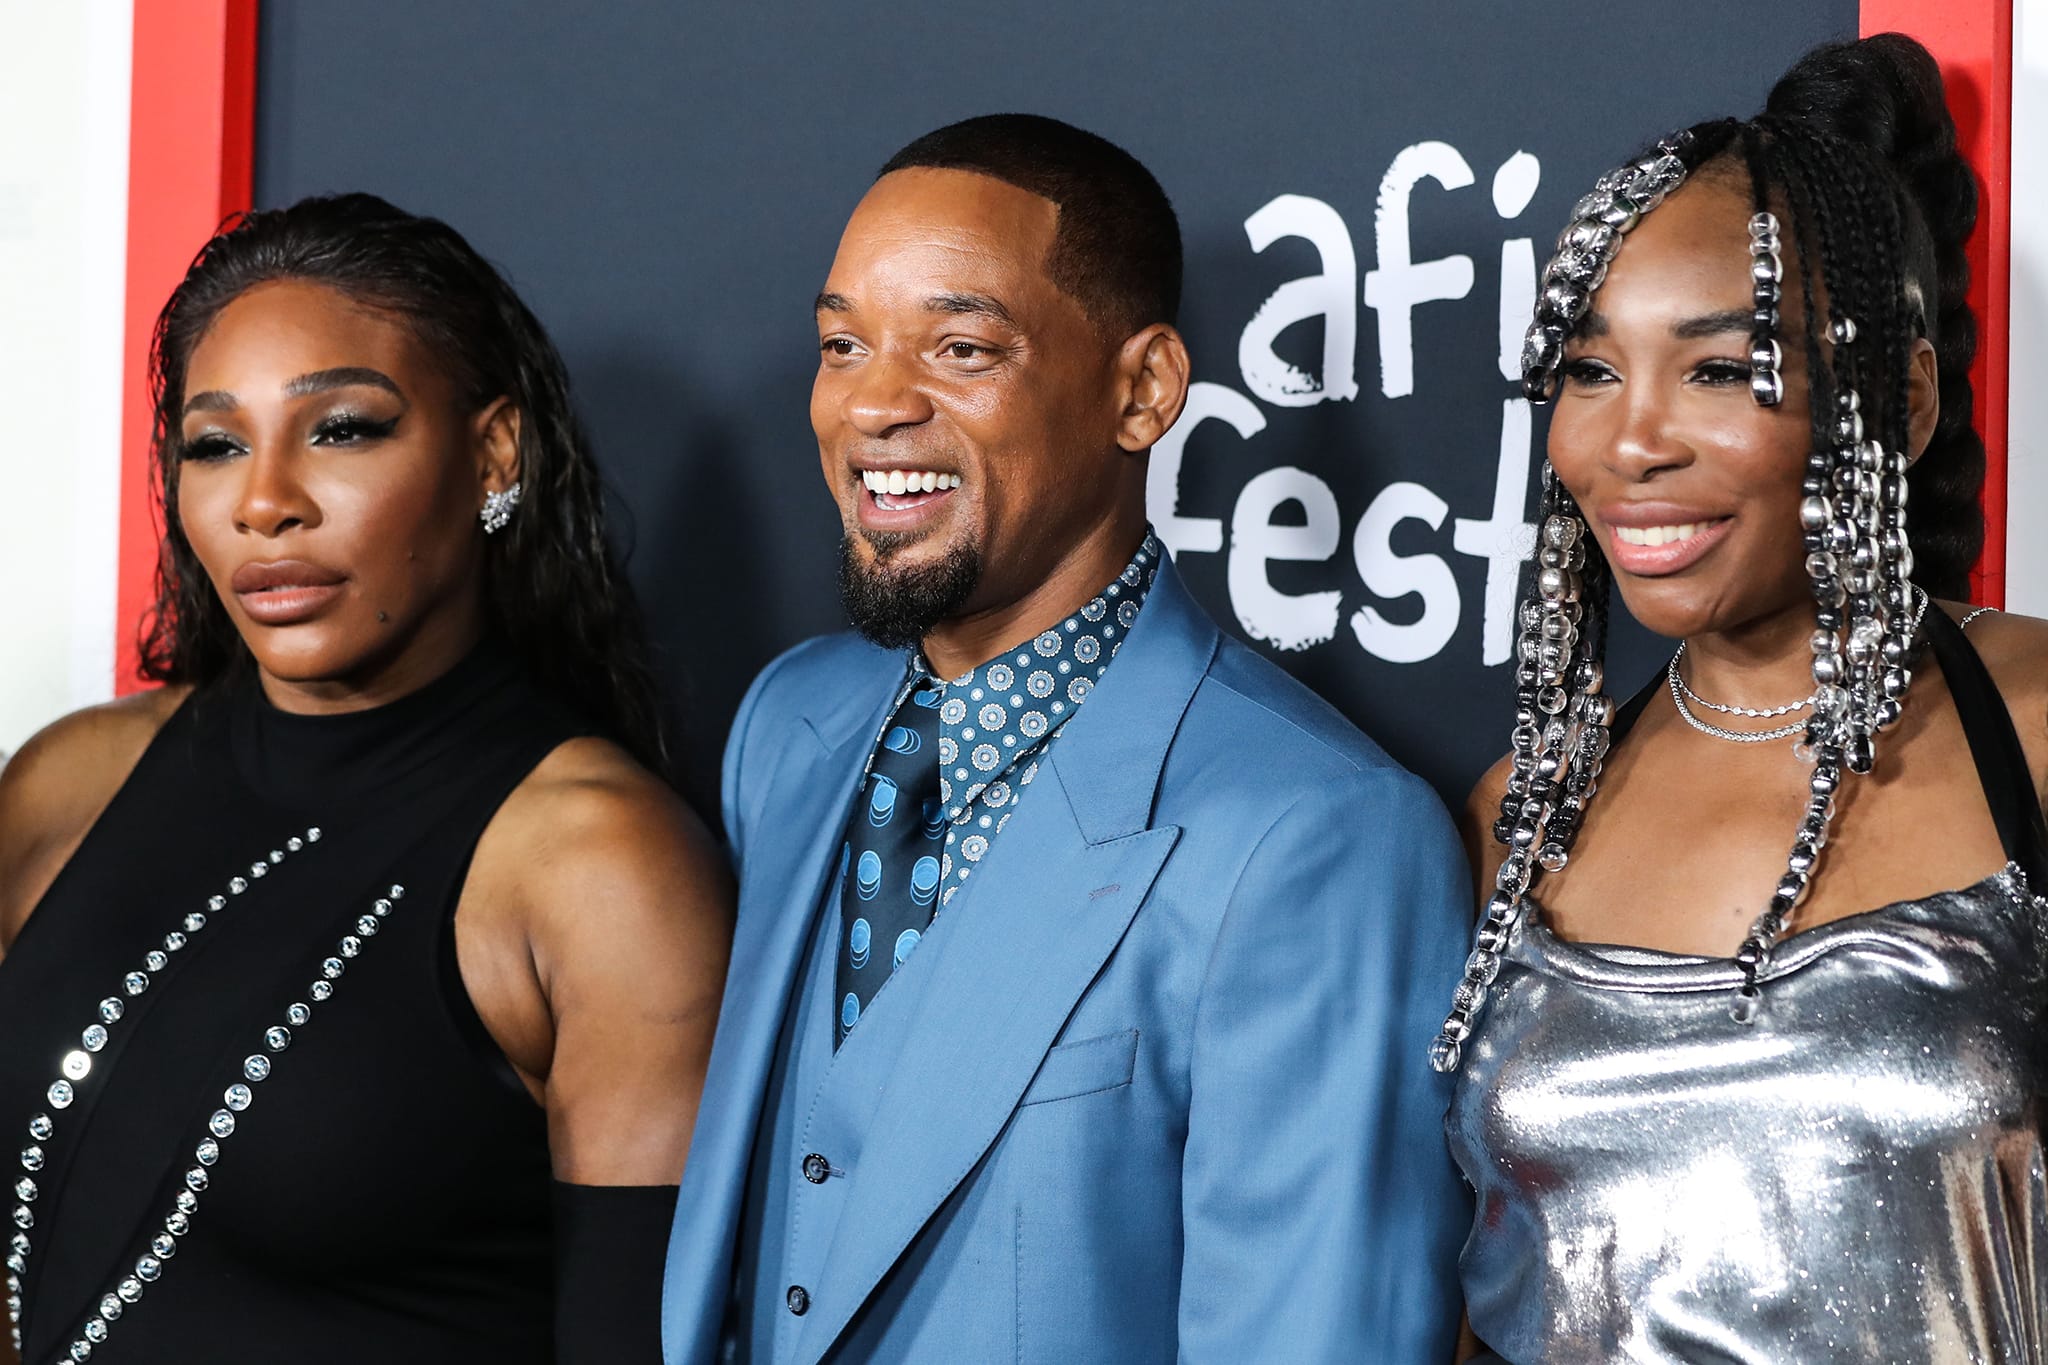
324 959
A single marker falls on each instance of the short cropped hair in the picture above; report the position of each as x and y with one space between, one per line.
1116 249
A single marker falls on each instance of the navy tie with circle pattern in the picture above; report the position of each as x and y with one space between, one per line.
889 869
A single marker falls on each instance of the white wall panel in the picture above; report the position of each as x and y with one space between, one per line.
64 97
2026 571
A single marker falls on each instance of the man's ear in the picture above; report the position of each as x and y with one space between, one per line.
1923 398
1152 373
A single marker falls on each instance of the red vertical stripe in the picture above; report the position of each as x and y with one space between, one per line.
191 148
1972 39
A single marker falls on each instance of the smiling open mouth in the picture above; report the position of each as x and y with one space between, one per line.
1652 551
1661 535
902 490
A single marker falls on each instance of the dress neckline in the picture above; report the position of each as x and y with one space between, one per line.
318 762
1621 966
2002 771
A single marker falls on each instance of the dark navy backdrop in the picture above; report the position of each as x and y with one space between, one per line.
666 183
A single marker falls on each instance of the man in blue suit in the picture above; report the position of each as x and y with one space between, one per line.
1086 964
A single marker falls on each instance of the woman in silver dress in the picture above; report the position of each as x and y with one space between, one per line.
1722 1102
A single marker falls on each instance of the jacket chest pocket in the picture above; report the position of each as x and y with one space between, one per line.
1084 1068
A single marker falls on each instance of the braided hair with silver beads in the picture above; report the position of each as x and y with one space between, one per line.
1856 148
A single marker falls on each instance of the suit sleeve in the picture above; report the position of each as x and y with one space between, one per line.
1323 1214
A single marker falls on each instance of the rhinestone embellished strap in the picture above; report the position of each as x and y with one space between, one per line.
236 1099
77 1065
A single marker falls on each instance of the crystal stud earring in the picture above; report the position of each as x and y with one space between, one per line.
498 508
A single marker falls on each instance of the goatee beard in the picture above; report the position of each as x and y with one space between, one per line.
898 607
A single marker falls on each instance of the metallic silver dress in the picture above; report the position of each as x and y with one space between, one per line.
1858 1175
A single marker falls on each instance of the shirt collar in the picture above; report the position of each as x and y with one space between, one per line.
992 716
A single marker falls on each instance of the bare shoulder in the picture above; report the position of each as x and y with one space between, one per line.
2015 649
599 922
1475 820
97 746
590 838
55 788
589 799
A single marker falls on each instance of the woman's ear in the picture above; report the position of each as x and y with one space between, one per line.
497 445
1923 398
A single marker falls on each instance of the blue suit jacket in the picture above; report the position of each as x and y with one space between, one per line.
1168 1091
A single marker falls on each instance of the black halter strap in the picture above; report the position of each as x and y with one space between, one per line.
1995 746
1631 710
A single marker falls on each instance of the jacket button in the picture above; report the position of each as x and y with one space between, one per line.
816 1168
799 1300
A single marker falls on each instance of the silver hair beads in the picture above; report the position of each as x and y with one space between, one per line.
1562 714
1866 618
1766 277
77 1065
1852 517
1561 726
1585 249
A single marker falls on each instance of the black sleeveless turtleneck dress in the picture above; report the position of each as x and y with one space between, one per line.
296 1142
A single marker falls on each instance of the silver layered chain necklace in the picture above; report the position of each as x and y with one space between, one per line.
1684 698
77 1066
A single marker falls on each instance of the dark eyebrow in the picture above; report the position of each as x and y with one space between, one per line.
970 305
1691 329
1714 324
347 377
829 302
319 381
213 400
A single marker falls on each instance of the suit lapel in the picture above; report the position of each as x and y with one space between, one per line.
811 794
1021 955
1043 914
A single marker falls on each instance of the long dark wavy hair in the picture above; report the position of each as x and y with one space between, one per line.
553 591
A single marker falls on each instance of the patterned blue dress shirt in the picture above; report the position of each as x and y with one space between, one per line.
995 725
